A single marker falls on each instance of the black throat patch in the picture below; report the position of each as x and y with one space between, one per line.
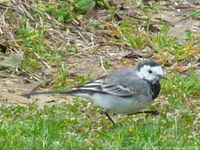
155 89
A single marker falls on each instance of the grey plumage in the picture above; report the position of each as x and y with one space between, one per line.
125 91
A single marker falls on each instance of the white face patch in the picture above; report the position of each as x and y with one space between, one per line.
150 73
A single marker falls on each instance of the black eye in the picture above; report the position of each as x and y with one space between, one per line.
150 71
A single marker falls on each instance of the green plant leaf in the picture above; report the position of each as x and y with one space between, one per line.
195 15
83 6
13 60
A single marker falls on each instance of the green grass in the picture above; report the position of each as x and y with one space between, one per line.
195 14
78 125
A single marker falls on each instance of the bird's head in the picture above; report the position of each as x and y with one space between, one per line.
150 71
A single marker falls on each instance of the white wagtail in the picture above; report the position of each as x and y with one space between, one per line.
125 91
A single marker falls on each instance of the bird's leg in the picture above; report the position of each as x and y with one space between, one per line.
153 112
107 115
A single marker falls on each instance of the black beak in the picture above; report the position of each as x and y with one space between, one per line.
162 77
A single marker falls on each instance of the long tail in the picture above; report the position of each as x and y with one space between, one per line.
74 91
50 92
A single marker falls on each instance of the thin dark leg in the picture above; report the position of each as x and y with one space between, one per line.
107 115
154 112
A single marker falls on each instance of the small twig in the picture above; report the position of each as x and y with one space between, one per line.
30 73
81 36
181 20
90 47
42 60
1 32
4 6
102 66
4 76
3 17
41 21
39 85
51 101
23 10
50 18
61 35
46 14
12 37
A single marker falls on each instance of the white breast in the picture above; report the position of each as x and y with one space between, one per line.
119 105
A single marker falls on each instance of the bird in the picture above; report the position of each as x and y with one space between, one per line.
125 91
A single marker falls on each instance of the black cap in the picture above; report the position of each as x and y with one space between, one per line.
147 62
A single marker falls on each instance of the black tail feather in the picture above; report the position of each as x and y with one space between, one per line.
70 92
49 92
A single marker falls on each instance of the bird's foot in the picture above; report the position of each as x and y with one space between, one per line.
108 116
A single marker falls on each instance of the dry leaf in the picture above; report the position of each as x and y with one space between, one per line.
180 67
